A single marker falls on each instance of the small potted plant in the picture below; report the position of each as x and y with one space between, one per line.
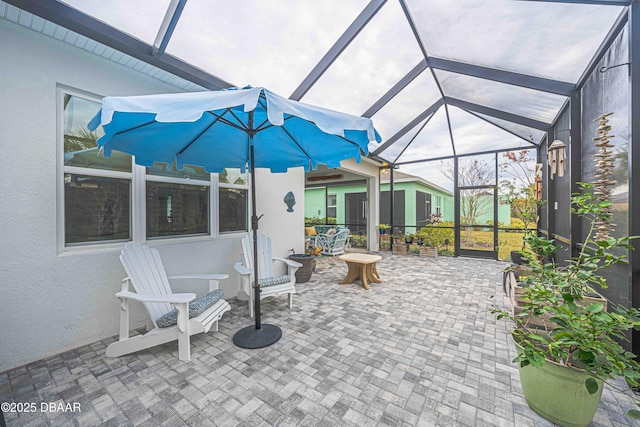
399 244
383 228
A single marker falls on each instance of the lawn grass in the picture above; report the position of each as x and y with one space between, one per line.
507 241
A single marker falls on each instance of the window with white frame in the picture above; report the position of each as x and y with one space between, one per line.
177 202
233 191
98 192
332 206
437 205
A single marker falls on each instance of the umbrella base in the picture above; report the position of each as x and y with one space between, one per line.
250 337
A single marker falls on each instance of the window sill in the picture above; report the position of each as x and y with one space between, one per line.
163 241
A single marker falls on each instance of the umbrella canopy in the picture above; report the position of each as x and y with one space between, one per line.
236 128
214 130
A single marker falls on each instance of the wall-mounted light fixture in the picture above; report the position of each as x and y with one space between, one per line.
557 155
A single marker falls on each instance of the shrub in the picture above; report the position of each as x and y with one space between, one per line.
516 223
436 234
314 220
358 241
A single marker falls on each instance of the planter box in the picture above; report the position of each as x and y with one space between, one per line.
400 249
429 252
516 291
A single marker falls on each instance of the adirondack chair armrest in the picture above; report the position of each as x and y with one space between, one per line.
212 276
168 298
289 262
292 266
241 269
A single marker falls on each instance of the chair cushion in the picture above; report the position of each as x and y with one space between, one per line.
330 232
310 231
272 281
196 308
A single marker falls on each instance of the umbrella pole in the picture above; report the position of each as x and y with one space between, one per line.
254 229
260 335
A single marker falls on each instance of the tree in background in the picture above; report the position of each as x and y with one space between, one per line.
518 189
476 202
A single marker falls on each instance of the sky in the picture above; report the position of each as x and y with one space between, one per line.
276 43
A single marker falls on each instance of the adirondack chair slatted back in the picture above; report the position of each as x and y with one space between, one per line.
265 263
146 272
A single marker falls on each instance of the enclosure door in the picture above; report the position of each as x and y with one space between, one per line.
478 233
356 212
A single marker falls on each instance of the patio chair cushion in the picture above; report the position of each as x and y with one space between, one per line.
196 308
310 231
272 281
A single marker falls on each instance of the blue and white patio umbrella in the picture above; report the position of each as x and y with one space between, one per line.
235 128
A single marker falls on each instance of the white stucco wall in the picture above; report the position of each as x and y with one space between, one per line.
369 169
50 301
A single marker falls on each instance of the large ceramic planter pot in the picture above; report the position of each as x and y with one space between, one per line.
558 393
303 274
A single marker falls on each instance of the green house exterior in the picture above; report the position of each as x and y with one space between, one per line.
441 201
314 201
345 200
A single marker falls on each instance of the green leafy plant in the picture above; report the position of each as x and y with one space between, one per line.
435 235
583 334
313 220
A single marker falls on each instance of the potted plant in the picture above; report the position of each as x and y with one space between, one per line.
399 244
303 274
564 362
382 228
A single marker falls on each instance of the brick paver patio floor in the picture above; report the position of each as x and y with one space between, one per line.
418 349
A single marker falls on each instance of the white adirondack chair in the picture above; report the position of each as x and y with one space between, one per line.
147 275
333 244
269 283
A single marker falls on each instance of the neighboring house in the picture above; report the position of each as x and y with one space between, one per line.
415 200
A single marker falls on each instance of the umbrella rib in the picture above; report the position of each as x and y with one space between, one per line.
134 128
296 142
226 121
270 125
244 127
198 137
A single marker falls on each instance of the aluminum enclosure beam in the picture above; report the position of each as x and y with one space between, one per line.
413 123
510 117
634 164
76 21
459 156
168 25
340 45
593 2
575 165
408 78
532 143
516 79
